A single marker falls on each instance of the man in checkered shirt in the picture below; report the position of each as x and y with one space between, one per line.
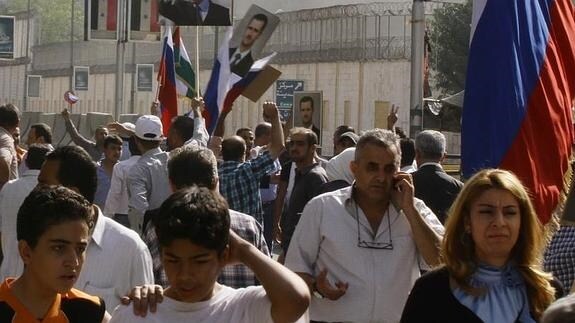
240 179
189 166
560 256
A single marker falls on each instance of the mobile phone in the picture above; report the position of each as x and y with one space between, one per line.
395 184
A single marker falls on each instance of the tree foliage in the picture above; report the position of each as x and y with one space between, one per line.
449 36
54 17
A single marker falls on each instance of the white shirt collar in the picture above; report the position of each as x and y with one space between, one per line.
430 163
30 172
99 227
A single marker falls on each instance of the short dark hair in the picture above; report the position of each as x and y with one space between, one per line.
134 151
197 214
47 206
263 129
190 166
407 146
112 139
239 131
9 116
340 130
36 155
76 169
306 98
42 130
261 17
233 149
310 136
184 126
148 144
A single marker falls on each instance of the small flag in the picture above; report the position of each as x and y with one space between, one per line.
185 76
167 82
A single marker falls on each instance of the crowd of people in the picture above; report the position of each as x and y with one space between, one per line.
135 226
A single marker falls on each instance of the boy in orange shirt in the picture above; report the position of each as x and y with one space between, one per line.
53 230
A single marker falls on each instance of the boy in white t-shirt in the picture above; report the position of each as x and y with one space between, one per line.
196 243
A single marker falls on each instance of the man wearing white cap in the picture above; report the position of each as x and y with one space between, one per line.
148 184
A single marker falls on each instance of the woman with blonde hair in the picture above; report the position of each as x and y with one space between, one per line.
491 253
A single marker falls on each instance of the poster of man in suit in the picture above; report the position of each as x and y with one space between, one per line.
249 39
308 111
6 37
196 12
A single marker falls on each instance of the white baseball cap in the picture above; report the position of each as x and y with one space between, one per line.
149 127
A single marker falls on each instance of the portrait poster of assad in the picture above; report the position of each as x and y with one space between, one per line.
308 111
196 12
81 75
250 37
6 37
145 77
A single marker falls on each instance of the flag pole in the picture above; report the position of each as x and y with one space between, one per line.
198 92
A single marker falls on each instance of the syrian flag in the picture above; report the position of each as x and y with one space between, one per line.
104 15
185 76
167 82
519 94
144 15
224 86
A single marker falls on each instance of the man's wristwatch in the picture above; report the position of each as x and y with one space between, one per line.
316 293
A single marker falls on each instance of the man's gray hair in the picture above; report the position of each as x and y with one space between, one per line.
430 144
378 137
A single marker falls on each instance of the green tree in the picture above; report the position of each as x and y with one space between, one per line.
54 17
449 36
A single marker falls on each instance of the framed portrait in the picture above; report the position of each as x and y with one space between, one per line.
6 37
81 75
196 12
33 86
250 37
308 110
284 96
145 77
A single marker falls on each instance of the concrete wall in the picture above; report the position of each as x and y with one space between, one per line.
351 92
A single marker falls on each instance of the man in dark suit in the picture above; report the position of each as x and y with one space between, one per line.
241 58
432 184
195 13
306 112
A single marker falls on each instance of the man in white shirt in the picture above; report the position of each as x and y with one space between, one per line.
116 258
9 121
361 248
117 200
12 196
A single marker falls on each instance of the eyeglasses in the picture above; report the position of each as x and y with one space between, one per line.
372 244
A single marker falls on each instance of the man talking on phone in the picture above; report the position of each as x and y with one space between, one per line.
361 248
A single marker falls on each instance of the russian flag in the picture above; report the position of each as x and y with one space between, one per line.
167 96
239 87
224 86
519 94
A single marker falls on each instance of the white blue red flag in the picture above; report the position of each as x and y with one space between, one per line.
519 94
167 95
224 86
